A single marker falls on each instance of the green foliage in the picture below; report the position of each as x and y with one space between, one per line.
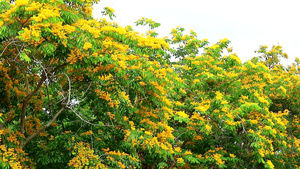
76 92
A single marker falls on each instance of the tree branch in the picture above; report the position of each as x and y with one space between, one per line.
77 114
28 97
26 100
41 129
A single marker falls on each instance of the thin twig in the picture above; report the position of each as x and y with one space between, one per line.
41 129
92 142
86 120
46 74
79 128
242 124
69 96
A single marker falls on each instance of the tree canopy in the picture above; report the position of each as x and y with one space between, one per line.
79 92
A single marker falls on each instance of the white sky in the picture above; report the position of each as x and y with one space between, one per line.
247 24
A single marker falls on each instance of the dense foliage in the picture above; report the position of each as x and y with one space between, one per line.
76 92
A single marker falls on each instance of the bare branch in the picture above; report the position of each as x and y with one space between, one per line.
86 121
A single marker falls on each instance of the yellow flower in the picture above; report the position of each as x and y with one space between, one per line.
180 160
269 162
182 91
87 46
196 81
198 137
253 121
229 49
34 6
224 102
188 153
204 40
268 127
69 29
125 118
215 46
105 150
142 83
231 123
208 127
232 155
217 157
182 114
109 8
251 131
131 125
21 2
283 89
224 40
177 149
219 95
148 133
261 152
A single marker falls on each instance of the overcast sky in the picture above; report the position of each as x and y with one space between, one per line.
247 24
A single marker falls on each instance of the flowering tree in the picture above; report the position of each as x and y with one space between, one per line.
78 92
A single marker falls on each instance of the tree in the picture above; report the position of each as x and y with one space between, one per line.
78 92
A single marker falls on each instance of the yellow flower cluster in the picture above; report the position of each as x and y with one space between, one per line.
45 13
33 6
109 8
9 155
87 46
217 157
85 157
182 114
32 32
21 2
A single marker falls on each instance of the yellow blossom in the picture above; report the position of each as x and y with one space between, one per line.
180 160
148 133
125 118
217 157
251 131
109 8
215 46
269 162
219 95
253 121
268 127
224 40
188 153
21 2
283 89
177 149
142 83
224 102
196 81
87 46
208 127
232 155
229 49
182 114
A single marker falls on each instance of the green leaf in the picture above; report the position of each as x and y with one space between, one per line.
23 56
